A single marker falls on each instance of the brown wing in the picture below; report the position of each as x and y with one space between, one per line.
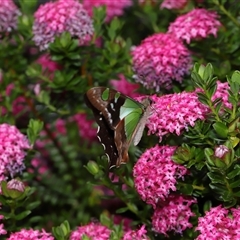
105 135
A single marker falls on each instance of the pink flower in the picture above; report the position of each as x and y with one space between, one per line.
155 174
60 126
150 2
2 230
195 25
8 15
113 8
12 150
94 231
139 234
48 65
173 4
125 87
222 92
126 222
219 223
174 112
173 215
159 60
86 127
40 165
18 104
54 18
31 234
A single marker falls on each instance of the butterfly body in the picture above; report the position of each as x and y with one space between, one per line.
121 121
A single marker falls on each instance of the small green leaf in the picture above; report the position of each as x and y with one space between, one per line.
22 215
235 172
208 73
31 206
236 77
207 206
221 129
122 210
235 184
105 220
216 178
212 90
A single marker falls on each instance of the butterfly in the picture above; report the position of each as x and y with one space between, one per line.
121 121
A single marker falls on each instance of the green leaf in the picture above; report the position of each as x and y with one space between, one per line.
208 73
22 215
235 184
207 206
216 177
32 205
203 99
212 90
221 129
122 210
236 77
235 172
34 128
105 220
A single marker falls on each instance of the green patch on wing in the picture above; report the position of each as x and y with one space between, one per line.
131 112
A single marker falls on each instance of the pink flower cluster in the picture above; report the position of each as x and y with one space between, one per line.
174 112
54 18
95 231
219 223
173 215
173 4
31 234
159 60
8 15
155 174
194 25
12 150
139 234
125 87
113 8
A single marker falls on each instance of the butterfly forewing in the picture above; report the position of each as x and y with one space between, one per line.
107 101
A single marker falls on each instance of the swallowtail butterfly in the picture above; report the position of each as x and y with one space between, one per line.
121 121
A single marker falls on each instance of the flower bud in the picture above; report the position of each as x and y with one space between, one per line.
221 151
13 189
93 168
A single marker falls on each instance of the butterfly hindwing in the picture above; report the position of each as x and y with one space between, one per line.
105 135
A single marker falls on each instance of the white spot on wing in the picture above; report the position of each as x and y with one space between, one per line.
109 117
108 157
104 147
112 106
